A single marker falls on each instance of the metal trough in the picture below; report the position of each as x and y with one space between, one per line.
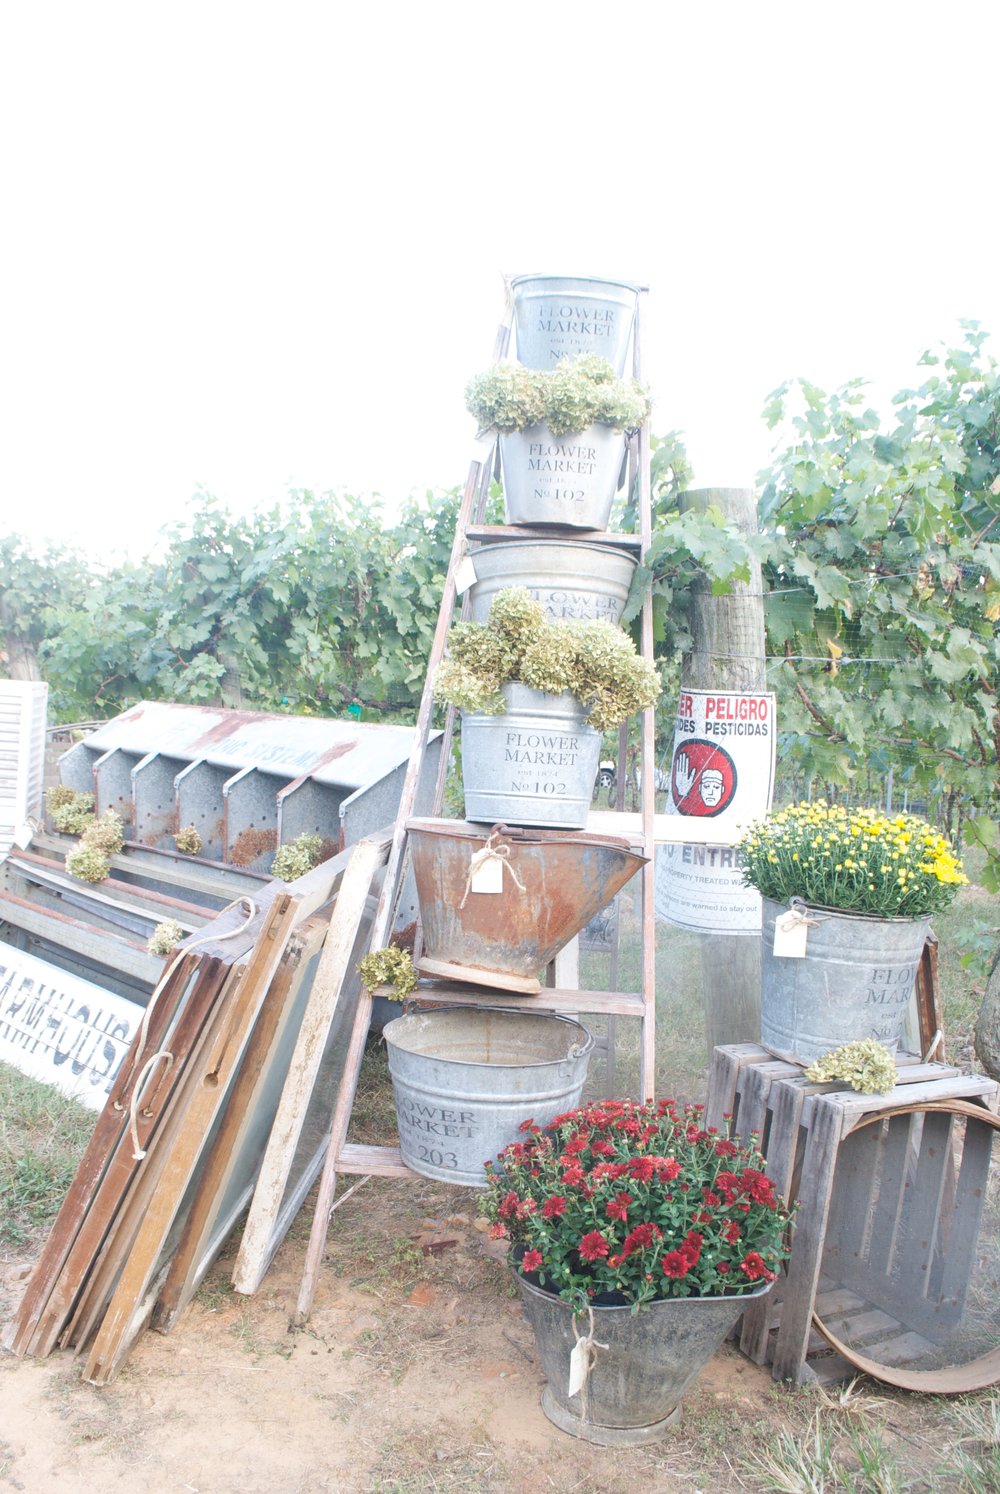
246 780
549 885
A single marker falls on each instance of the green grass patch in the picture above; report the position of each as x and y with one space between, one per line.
42 1136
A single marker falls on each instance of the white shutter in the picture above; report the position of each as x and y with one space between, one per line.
22 755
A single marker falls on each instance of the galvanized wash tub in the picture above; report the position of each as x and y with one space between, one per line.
571 578
535 764
855 981
465 1078
561 480
562 316
551 886
645 1362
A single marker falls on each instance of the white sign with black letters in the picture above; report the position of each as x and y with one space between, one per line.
701 888
62 1029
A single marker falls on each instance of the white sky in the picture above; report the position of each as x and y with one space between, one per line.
251 246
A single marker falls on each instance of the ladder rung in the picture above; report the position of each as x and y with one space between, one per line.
379 1161
550 999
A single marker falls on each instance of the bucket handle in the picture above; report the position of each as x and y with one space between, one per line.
577 1050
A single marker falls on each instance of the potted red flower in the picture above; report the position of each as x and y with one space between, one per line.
638 1238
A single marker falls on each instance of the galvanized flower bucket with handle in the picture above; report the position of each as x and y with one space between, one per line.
641 1362
562 316
854 981
567 480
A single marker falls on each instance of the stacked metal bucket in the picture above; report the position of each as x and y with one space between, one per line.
498 903
537 763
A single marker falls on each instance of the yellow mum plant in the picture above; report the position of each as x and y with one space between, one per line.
851 860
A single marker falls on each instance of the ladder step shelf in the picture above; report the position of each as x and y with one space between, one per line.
550 999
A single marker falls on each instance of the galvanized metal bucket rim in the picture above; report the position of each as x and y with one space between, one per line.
630 1307
629 285
527 834
542 425
828 912
562 541
505 1011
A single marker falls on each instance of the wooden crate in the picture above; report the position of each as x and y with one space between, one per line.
889 1206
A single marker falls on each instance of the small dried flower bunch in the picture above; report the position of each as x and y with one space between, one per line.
297 857
624 1203
577 393
88 864
188 841
391 966
105 834
851 860
69 810
100 840
165 937
593 660
866 1065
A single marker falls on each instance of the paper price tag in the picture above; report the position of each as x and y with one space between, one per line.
488 876
790 933
465 574
579 1365
482 446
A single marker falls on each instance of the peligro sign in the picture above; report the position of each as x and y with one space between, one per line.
721 777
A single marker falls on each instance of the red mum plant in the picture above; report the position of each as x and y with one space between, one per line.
625 1203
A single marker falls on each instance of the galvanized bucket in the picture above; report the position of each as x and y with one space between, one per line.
465 1079
644 1363
855 981
562 316
566 480
536 764
571 578
550 886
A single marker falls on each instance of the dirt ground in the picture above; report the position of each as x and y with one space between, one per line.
417 1372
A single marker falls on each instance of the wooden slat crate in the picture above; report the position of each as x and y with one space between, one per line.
889 1206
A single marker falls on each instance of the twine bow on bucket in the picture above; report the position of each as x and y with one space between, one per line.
495 849
799 913
581 1362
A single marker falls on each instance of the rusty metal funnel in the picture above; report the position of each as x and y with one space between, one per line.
550 884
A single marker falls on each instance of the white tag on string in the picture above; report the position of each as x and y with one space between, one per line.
465 574
482 446
791 931
488 876
579 1366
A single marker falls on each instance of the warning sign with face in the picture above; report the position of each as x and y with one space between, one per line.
702 778
722 770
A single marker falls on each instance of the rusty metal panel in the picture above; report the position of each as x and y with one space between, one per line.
306 807
154 799
112 785
250 808
76 766
198 790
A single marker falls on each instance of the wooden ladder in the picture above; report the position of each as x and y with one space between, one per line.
343 1157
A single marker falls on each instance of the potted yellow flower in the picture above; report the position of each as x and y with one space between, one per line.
848 895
